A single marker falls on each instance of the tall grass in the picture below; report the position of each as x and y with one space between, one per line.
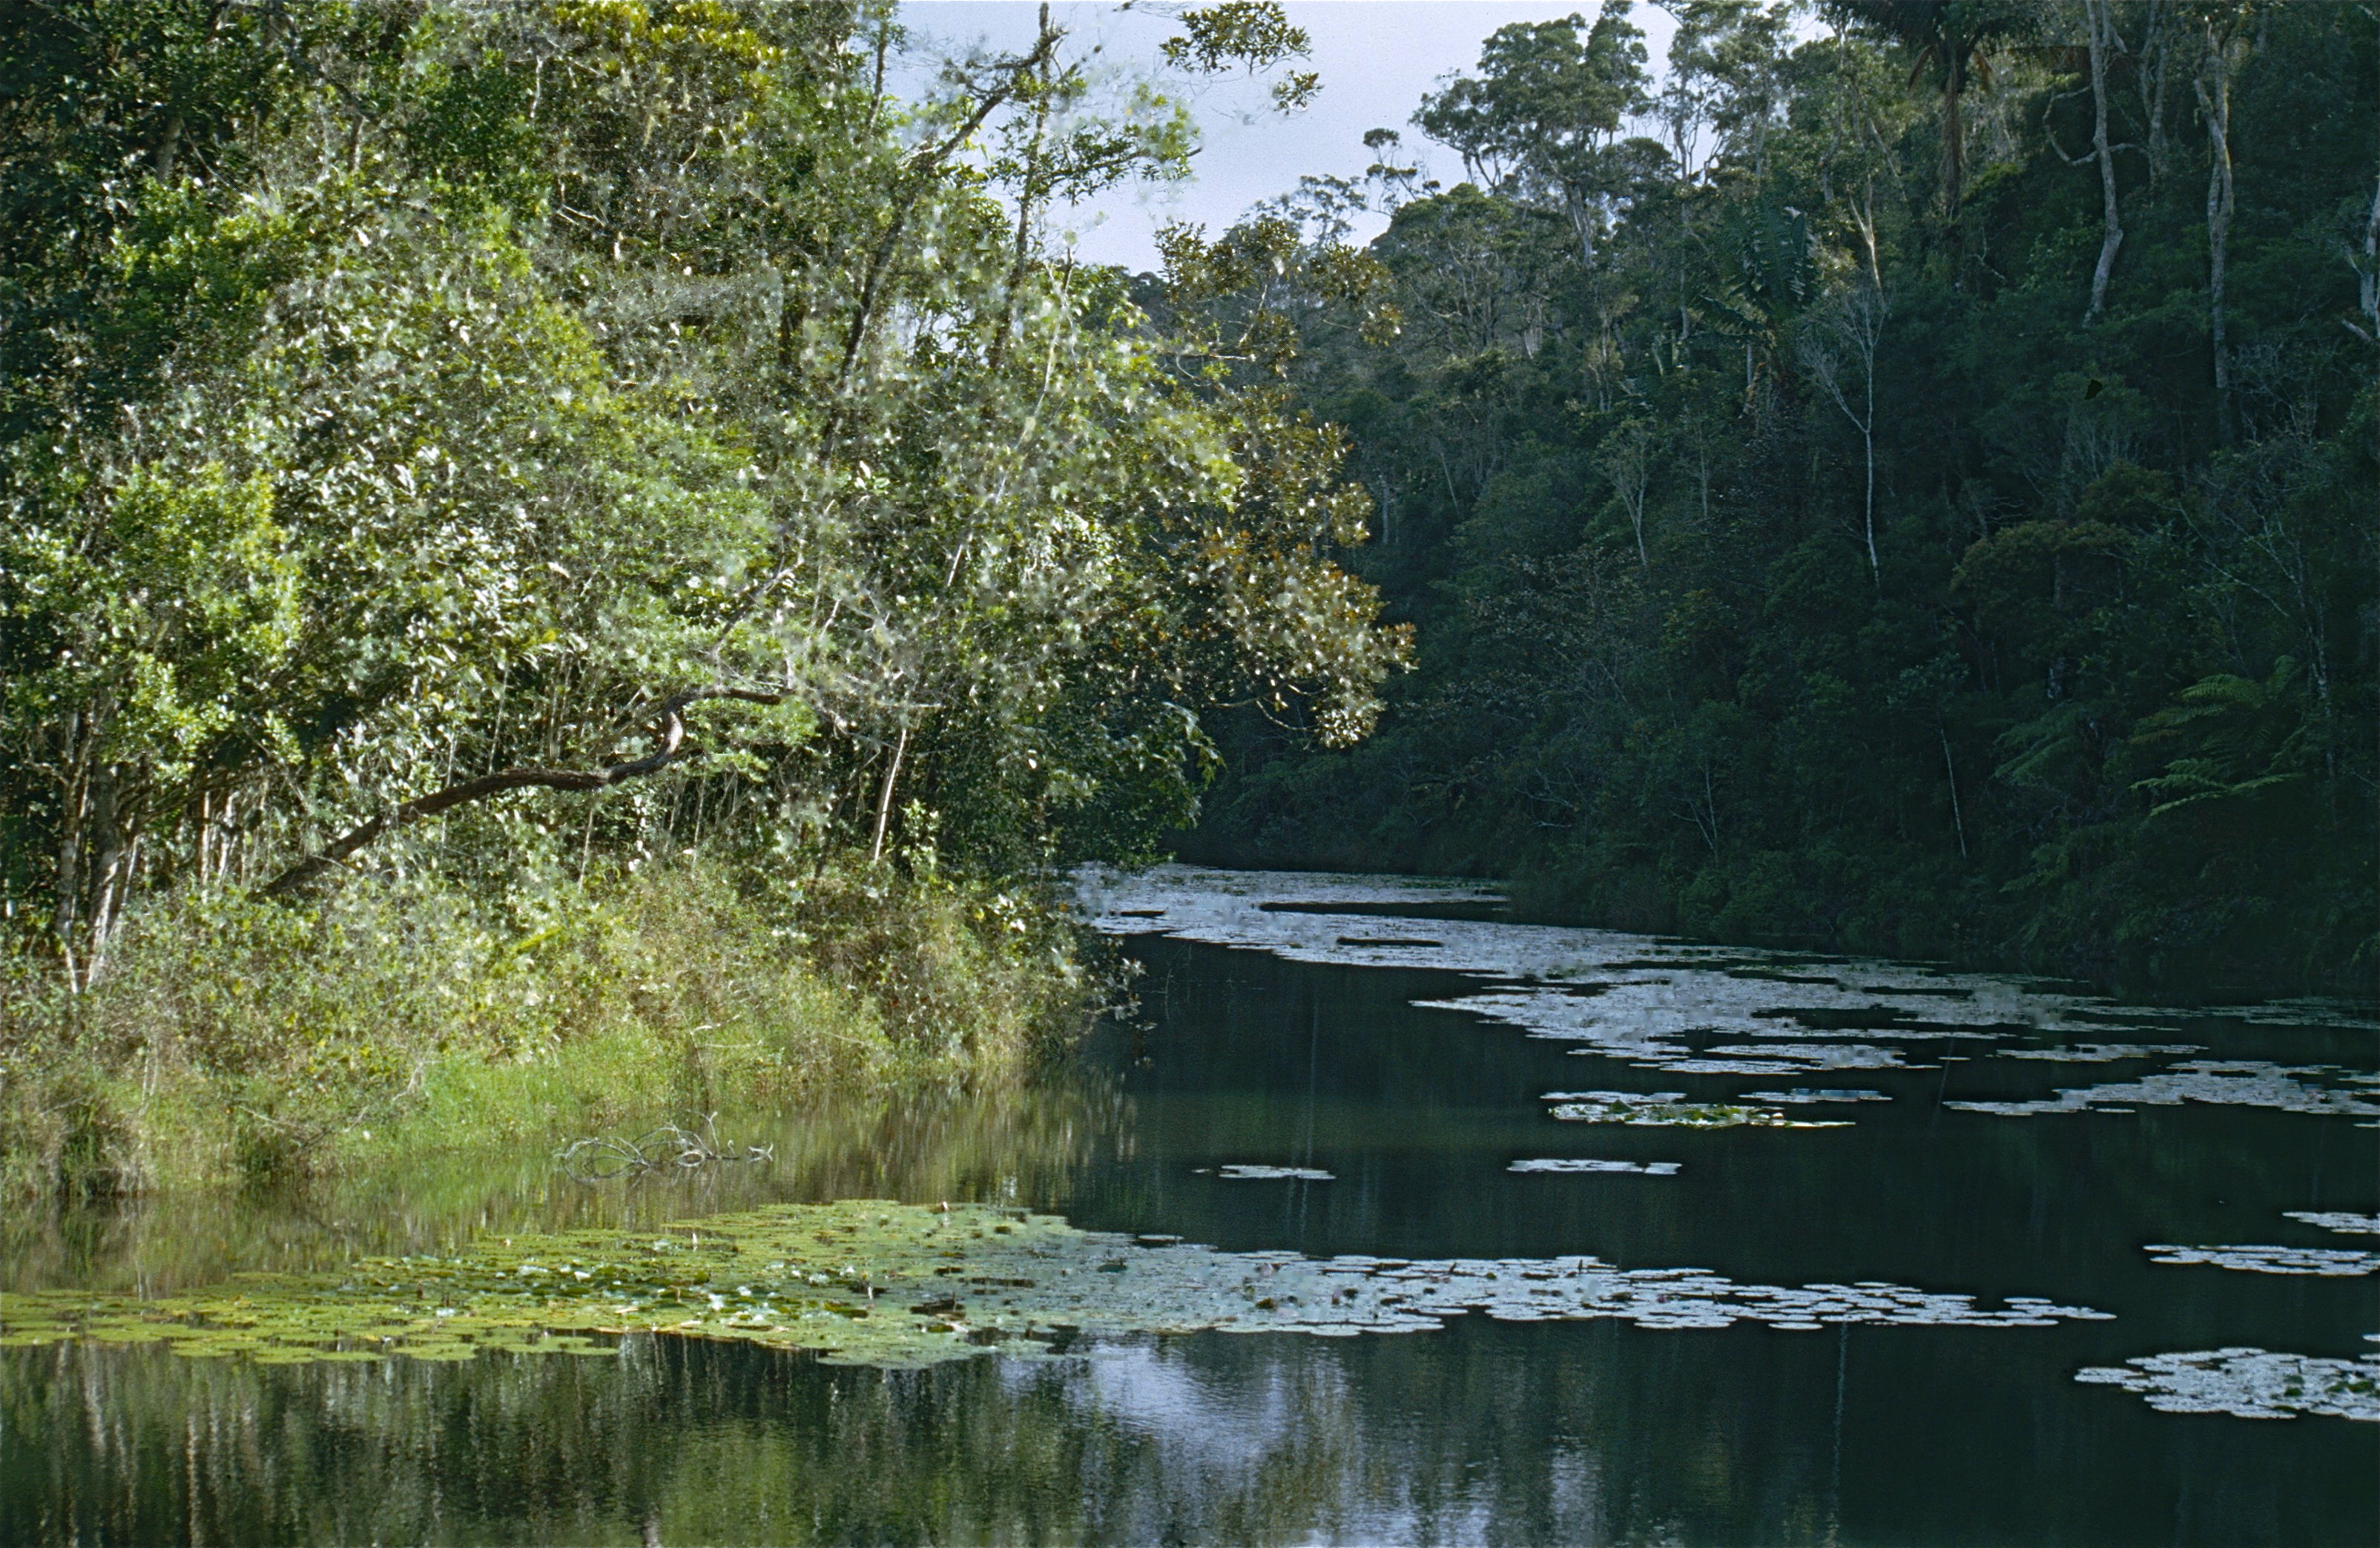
231 1039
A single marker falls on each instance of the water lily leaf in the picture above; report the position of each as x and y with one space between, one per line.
2248 1383
896 1285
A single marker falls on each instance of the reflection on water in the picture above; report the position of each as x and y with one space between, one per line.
1296 1025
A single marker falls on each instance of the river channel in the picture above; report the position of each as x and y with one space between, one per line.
1383 1219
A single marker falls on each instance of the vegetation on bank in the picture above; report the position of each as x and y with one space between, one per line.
234 1040
1906 482
570 552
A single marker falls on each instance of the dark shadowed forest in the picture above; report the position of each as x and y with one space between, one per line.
1905 483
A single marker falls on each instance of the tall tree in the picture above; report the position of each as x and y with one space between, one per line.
2224 42
1952 42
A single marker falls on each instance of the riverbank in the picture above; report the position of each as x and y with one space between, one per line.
230 1041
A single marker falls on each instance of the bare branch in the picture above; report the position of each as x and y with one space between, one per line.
673 746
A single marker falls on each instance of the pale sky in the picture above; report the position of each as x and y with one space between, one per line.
1376 59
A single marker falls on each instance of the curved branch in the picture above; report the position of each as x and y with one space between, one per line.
673 746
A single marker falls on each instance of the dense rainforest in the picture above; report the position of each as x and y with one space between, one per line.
589 537
563 558
1904 481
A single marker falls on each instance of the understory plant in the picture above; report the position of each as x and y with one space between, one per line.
235 1039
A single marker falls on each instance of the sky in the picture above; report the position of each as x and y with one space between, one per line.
1376 59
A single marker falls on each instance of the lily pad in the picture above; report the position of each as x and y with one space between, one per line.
2248 1383
2244 1084
1669 1110
1573 1163
2346 1225
2336 1262
870 1283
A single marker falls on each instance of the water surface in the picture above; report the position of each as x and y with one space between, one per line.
1368 1069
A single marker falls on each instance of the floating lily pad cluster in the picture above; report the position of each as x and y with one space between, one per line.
1692 1011
2248 1083
2248 1383
1578 1164
2346 1224
1785 1059
2332 1261
1668 1109
870 1283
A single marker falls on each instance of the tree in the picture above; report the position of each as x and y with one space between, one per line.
2105 42
2224 43
1852 326
1951 41
631 404
1625 460
1545 111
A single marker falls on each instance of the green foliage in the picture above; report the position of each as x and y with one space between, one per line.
236 1038
403 396
632 502
1255 33
1784 572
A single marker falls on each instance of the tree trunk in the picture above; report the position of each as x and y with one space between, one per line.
1951 770
2367 275
73 797
2214 86
2104 38
884 797
1954 150
2156 52
1867 447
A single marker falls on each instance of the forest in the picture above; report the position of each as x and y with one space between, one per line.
567 555
1902 481
590 537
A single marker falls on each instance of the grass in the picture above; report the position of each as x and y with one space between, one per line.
230 1040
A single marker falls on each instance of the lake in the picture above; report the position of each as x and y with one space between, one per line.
1383 1219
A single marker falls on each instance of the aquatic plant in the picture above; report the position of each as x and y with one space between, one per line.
2249 1083
866 1281
2248 1383
1574 1164
2352 1225
1669 1110
2335 1263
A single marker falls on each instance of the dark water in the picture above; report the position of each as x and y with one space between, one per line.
1512 1433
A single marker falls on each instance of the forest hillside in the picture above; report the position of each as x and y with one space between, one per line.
1905 482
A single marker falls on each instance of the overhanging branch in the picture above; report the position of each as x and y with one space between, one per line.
673 746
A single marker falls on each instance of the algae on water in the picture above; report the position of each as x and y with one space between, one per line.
870 1283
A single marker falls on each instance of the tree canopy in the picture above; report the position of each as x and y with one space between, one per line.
480 438
1935 515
